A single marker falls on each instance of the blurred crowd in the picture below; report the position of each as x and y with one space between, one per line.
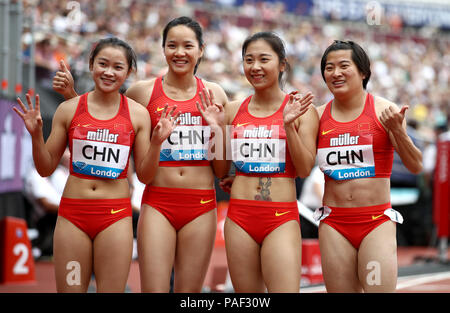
409 66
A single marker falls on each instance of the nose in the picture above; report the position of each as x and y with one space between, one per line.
256 65
108 71
336 72
179 51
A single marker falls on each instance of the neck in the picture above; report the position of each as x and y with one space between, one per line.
269 96
179 81
350 101
106 99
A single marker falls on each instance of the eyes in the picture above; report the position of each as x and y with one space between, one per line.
104 64
342 66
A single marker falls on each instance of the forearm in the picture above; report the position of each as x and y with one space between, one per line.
43 160
410 155
147 168
302 158
70 93
218 156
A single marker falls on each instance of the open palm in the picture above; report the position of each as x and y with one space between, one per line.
30 115
297 106
165 125
212 112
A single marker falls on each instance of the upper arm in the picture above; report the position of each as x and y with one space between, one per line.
140 118
57 140
141 91
308 128
219 94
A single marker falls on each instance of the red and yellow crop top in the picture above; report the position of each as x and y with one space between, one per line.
258 144
357 149
189 143
100 149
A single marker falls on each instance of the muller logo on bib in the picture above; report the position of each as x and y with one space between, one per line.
347 156
258 149
100 152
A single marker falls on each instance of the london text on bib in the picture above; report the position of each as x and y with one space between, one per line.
347 156
188 142
258 149
100 152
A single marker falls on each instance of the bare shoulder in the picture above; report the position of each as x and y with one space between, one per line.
138 113
66 110
320 109
141 91
232 109
218 91
382 104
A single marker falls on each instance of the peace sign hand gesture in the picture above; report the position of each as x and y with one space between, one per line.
297 106
212 112
31 115
165 125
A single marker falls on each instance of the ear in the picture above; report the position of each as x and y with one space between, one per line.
283 65
202 50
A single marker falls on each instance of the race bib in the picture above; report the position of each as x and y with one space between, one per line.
186 143
348 156
259 155
100 154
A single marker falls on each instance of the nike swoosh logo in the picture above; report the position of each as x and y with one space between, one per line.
205 201
239 125
117 211
279 214
326 132
159 109
375 217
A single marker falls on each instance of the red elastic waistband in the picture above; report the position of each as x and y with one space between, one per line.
360 209
91 202
184 191
290 204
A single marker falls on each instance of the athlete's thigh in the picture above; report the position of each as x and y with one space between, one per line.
156 240
377 259
195 242
113 247
72 254
281 258
339 261
244 260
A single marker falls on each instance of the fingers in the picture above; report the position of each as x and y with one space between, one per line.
63 67
19 101
18 112
403 110
38 103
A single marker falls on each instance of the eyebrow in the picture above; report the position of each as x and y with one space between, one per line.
105 59
343 61
261 54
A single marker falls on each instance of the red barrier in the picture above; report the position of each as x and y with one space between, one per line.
16 258
311 262
441 190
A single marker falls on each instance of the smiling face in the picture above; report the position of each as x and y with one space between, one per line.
182 49
262 65
110 69
341 73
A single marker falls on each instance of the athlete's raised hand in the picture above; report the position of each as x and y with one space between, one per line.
212 112
297 106
31 115
63 82
166 125
393 119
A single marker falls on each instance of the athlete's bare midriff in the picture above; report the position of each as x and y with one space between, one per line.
189 177
276 189
78 188
357 192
